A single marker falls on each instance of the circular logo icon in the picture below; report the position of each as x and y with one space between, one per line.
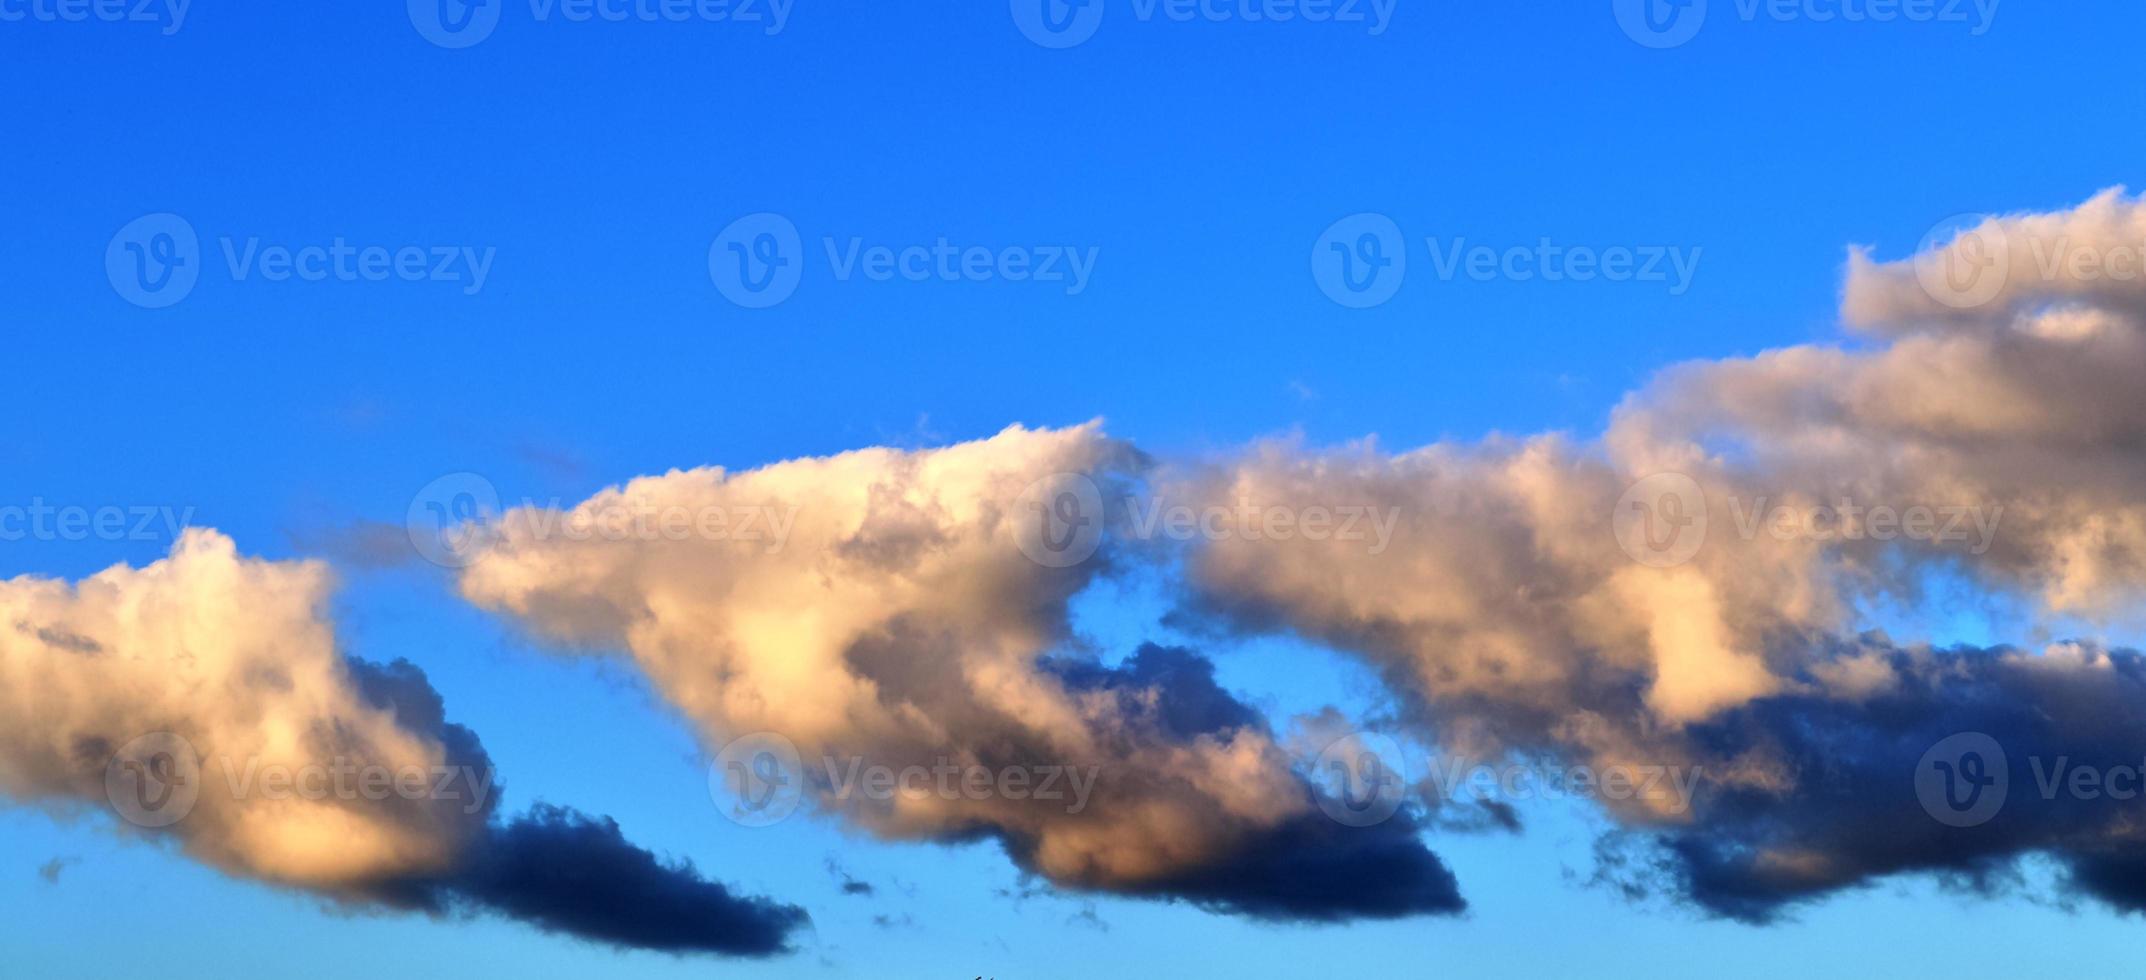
452 520
1360 779
154 261
757 780
1360 260
1058 24
1661 23
1965 261
455 23
153 781
1661 520
757 261
1963 779
1058 520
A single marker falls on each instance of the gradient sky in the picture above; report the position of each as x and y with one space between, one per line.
1201 160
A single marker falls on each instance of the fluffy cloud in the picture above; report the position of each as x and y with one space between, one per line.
902 624
284 761
1517 617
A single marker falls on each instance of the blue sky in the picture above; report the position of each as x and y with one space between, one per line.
1197 161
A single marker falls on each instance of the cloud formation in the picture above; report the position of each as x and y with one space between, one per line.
1521 610
903 625
272 756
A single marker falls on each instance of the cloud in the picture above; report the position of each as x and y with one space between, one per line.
49 872
568 873
906 622
1516 618
277 758
1847 809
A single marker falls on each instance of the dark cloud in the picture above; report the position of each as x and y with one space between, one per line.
1853 815
849 883
1308 867
1314 869
564 871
